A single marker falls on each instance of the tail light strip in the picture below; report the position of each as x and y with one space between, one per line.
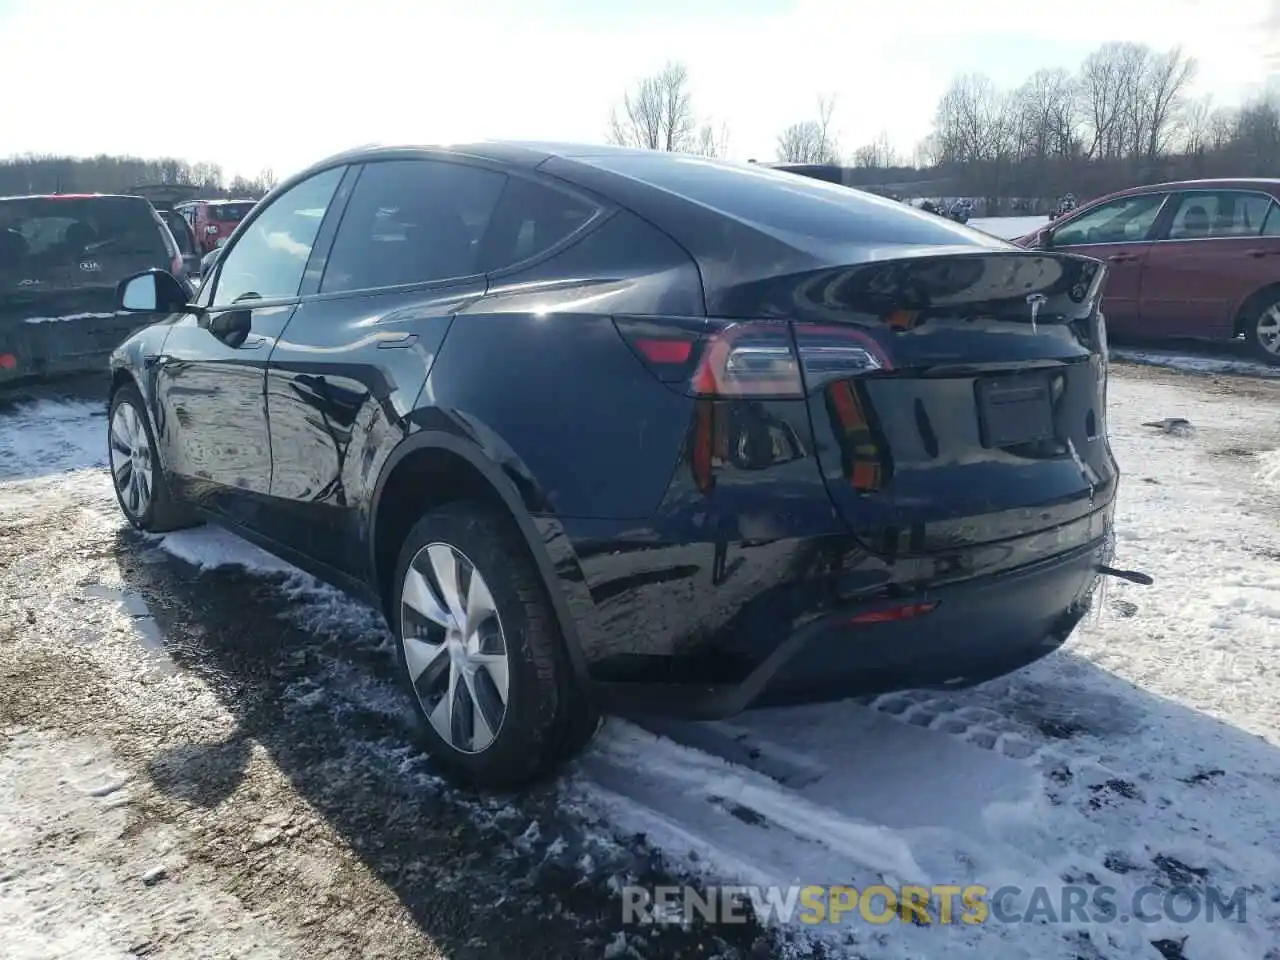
752 359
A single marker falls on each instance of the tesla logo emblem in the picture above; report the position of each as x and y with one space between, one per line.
1036 301
90 265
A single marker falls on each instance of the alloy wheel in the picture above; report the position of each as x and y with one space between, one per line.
454 647
1268 330
130 453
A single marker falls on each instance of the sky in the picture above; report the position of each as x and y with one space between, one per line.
281 83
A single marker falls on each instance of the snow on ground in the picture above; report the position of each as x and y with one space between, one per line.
1008 228
1141 757
1228 358
44 437
1131 758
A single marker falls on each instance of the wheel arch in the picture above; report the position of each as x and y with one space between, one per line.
463 471
1251 304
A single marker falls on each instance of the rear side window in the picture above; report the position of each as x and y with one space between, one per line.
55 231
1271 226
229 212
530 218
795 205
412 221
1226 213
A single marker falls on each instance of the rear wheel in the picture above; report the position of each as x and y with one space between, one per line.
481 652
1263 331
139 481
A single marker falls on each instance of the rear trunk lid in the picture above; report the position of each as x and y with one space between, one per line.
986 420
61 258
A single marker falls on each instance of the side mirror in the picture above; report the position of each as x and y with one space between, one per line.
154 291
1044 239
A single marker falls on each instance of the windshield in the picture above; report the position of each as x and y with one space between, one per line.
56 230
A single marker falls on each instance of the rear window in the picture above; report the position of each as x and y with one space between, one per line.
229 212
55 230
785 203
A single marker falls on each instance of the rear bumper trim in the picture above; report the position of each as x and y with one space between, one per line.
696 701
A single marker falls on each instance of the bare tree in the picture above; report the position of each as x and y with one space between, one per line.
711 141
878 154
1163 96
927 152
657 114
1102 95
811 141
1047 108
1222 127
977 126
1196 125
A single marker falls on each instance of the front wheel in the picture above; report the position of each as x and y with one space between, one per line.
1263 332
481 653
139 481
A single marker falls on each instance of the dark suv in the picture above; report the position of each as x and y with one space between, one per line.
61 257
601 428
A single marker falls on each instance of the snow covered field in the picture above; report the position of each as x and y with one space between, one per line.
1008 228
202 752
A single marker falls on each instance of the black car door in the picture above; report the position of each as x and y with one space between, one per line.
211 410
356 352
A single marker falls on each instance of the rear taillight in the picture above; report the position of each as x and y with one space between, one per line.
833 353
750 359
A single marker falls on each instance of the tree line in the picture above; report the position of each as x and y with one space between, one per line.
112 174
1123 118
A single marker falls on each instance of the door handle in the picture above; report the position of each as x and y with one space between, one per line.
1122 258
396 341
1259 253
252 342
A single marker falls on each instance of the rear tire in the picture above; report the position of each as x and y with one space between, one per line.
1262 330
140 483
481 653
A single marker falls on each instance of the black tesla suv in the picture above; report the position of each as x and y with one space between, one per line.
604 429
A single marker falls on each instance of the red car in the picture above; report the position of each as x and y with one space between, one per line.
213 221
1199 258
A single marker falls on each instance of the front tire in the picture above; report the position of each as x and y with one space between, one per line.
141 487
1262 330
481 652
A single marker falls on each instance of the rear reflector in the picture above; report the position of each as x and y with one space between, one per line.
8 361
665 351
906 612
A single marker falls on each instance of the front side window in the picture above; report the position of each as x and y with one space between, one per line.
1126 220
1213 214
268 260
412 221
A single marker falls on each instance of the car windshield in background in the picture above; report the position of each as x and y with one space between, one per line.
229 212
54 230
